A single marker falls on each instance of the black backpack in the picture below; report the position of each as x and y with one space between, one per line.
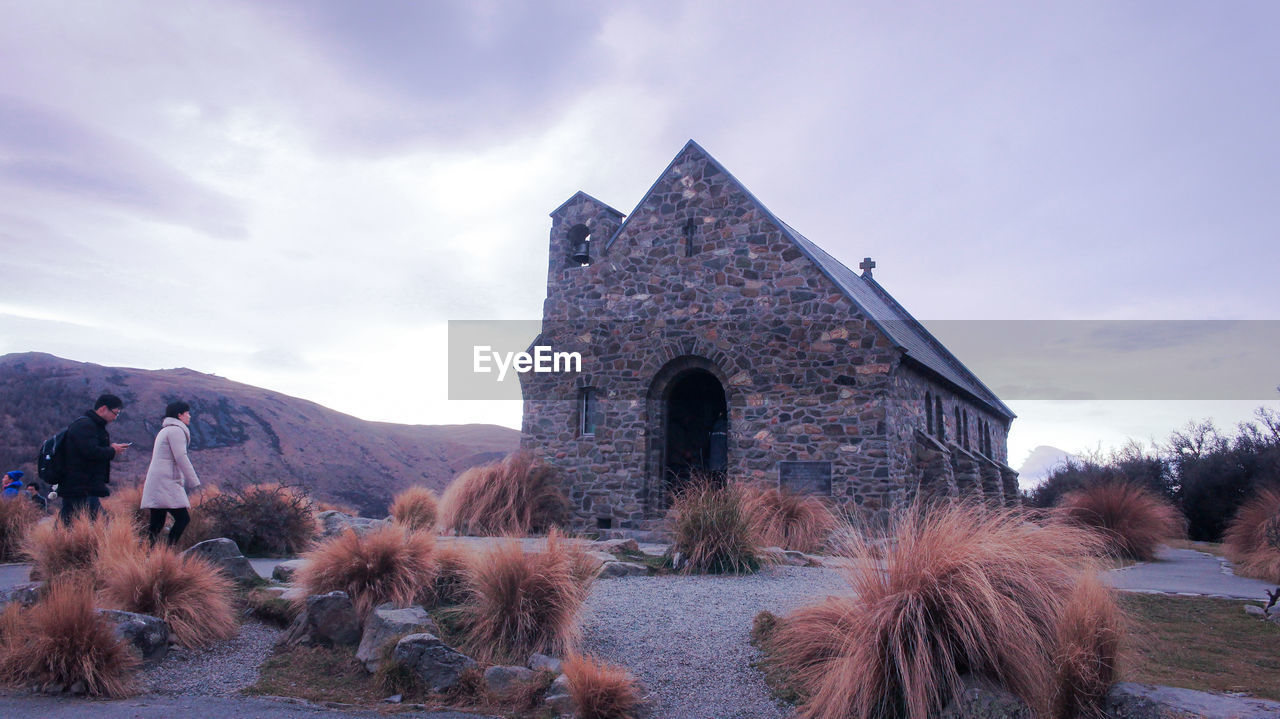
51 465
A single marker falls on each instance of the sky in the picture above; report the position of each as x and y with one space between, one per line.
300 195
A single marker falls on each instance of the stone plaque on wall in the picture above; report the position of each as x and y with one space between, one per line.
805 477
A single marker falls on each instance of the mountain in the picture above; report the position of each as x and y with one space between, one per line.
1040 462
240 434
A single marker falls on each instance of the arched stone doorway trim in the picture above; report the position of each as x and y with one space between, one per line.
657 400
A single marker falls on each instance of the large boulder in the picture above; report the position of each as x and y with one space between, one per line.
984 700
284 571
225 555
436 665
333 523
146 636
385 626
327 620
1144 701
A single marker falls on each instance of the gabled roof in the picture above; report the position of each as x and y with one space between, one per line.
578 194
906 333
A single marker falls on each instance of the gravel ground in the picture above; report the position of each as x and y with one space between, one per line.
221 670
687 639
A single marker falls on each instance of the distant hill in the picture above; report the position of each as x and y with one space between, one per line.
239 434
1039 463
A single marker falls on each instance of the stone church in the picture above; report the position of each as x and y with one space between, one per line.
717 339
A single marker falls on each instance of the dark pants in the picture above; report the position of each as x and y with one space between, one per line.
181 518
71 506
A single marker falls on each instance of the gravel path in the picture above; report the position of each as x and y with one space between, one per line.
687 639
221 670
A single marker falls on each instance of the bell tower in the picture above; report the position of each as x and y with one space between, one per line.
580 229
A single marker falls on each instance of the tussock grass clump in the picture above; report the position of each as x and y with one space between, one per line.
389 564
520 602
263 519
1252 540
416 508
61 641
1090 634
189 593
964 589
1133 520
17 517
452 564
788 520
125 503
601 691
712 529
57 550
516 496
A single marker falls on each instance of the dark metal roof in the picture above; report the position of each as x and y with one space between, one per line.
907 334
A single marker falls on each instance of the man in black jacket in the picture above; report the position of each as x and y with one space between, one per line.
88 460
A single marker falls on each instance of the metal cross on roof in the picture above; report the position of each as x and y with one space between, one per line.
866 266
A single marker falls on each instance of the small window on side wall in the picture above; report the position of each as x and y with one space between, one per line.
588 411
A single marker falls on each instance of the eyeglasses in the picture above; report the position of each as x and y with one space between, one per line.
117 411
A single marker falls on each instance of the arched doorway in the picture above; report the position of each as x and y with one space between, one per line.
696 429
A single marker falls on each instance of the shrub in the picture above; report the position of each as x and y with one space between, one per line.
1252 540
1089 636
189 593
601 691
964 589
520 602
1132 520
452 565
516 496
711 529
792 521
17 517
270 519
62 640
416 508
389 564
125 503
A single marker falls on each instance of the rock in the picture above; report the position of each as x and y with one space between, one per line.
1254 610
147 636
543 663
385 626
225 555
24 594
333 523
502 681
1144 701
983 700
613 546
795 559
771 555
437 666
623 569
394 699
558 699
284 571
327 620
77 689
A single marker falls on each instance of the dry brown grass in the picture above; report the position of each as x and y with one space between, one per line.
1133 521
61 641
189 593
520 602
792 521
516 496
125 503
59 551
17 517
964 590
389 564
712 530
1090 636
416 508
452 564
601 691
1252 540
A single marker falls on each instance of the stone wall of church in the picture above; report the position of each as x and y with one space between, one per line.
701 275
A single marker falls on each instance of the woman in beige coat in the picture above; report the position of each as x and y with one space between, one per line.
170 474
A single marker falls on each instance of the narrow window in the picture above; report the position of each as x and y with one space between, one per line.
966 429
579 246
690 229
928 413
589 411
941 419
959 427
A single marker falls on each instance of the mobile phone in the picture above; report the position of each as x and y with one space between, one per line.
127 444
